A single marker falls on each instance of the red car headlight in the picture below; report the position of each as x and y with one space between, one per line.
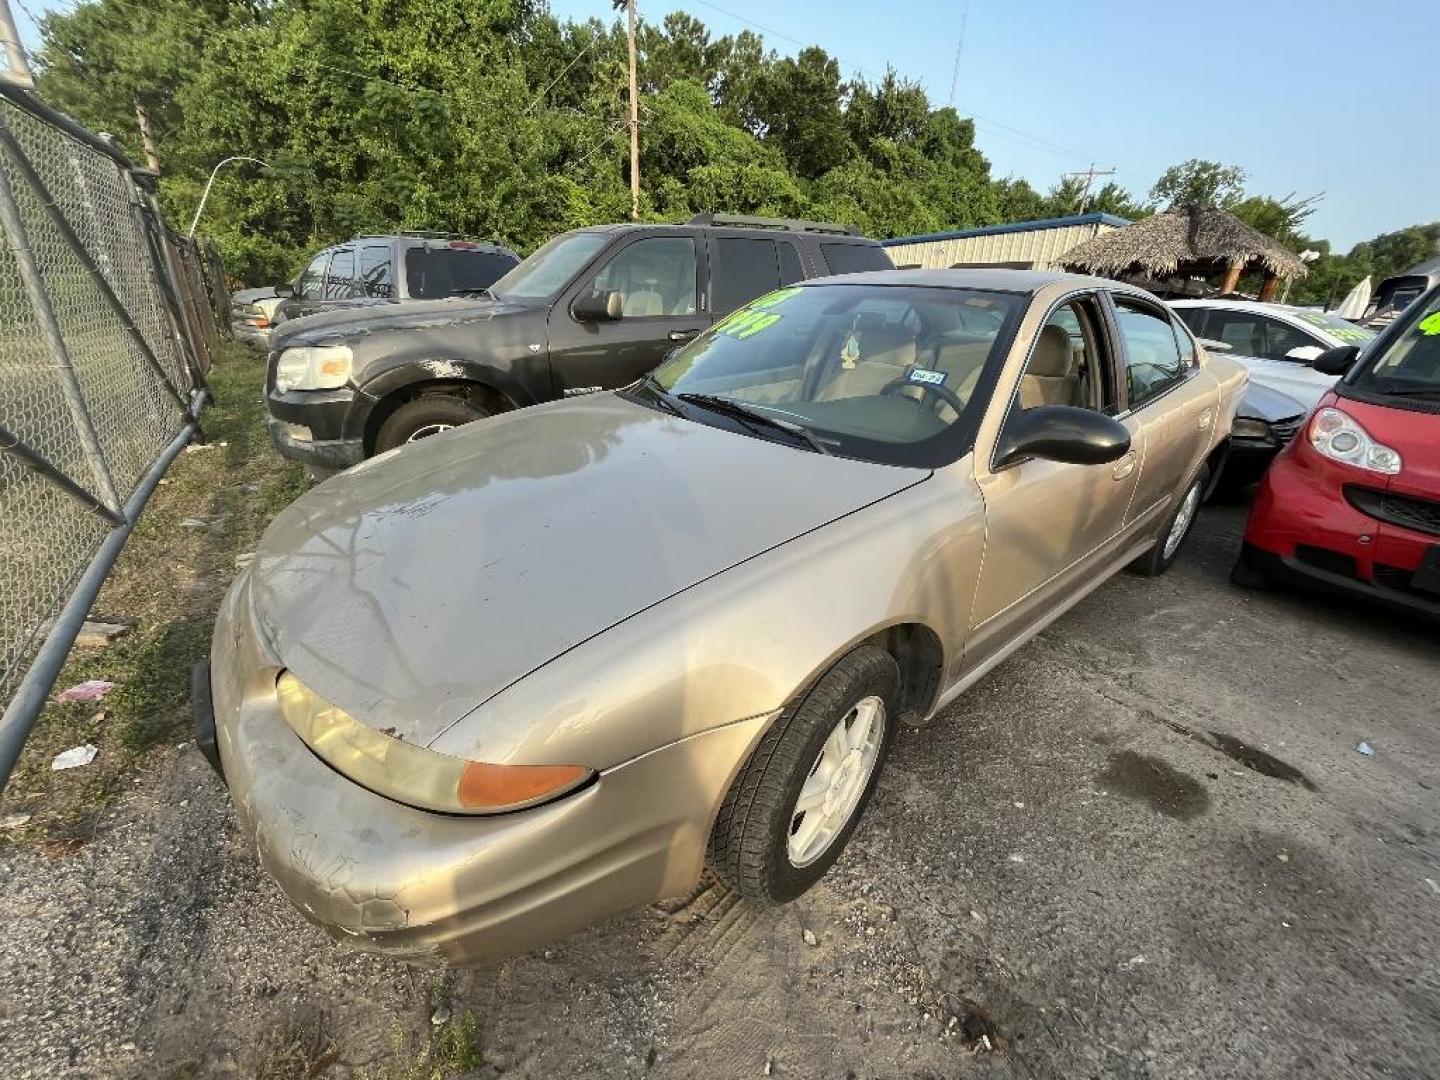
412 774
1338 436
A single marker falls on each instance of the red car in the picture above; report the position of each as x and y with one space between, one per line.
1354 501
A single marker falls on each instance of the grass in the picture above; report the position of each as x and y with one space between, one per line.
453 1048
168 582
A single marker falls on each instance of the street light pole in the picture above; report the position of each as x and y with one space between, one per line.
209 183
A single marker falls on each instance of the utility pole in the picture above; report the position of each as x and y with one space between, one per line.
1089 174
17 67
147 138
634 119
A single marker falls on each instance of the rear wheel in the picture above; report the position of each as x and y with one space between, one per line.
423 417
1175 530
795 802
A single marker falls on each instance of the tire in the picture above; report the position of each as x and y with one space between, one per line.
410 421
751 845
1158 559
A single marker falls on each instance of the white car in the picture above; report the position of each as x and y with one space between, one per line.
1276 343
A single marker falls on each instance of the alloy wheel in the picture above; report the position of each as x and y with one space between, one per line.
836 782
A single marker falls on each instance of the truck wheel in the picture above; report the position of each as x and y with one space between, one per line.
423 417
795 802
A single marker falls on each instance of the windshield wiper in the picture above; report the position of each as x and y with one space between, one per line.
659 396
480 291
743 413
1420 392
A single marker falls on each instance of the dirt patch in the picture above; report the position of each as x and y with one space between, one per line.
1150 780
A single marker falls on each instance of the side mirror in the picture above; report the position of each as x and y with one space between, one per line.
1211 345
1062 433
285 288
598 307
1336 361
1304 354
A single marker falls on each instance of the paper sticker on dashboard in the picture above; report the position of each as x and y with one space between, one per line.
926 376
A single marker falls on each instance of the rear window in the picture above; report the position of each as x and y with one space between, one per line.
854 258
434 273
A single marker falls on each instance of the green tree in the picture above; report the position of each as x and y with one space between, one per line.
797 103
1198 182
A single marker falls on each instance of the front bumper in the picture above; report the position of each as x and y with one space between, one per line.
1301 527
329 455
438 889
252 335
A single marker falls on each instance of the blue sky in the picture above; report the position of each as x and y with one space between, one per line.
1307 96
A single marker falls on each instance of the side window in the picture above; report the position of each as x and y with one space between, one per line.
1067 366
1194 317
790 269
375 271
853 258
654 277
741 270
312 279
1241 330
1152 357
340 281
1280 339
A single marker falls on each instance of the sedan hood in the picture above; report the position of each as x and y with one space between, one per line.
1266 403
348 323
412 588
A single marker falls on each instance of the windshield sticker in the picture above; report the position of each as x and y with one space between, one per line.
747 323
1430 325
927 377
850 352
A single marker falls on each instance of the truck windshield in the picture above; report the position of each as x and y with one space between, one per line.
550 268
1410 365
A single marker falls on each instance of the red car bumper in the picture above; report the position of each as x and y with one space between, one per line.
1333 524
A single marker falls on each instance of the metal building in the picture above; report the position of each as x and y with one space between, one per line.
1024 245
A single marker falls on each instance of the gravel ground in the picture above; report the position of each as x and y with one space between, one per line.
1144 846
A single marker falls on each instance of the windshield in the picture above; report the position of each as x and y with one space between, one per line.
550 268
882 373
434 273
1411 363
1346 333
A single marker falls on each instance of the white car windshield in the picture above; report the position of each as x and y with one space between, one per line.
1344 333
873 371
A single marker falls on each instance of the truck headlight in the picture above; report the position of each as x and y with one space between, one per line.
412 774
313 367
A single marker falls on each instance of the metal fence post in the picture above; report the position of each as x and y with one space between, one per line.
19 238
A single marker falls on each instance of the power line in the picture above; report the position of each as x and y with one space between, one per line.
540 96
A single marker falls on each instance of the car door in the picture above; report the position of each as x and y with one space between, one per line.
1165 392
657 277
1050 526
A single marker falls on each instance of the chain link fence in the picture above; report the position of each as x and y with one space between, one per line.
107 327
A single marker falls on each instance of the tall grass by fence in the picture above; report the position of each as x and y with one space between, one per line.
107 325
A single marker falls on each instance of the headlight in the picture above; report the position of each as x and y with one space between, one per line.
320 367
1246 428
412 774
1337 436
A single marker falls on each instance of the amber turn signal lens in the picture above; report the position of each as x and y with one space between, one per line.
483 785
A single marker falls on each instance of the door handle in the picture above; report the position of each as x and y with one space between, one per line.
683 335
1124 467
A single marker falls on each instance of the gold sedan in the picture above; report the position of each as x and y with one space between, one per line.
478 692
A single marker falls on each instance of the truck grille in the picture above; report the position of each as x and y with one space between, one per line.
1285 429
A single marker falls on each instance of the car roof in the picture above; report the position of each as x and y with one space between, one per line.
756 230
994 279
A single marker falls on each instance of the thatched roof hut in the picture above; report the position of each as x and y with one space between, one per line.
1187 241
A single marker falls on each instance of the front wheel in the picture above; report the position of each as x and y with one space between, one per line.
1176 528
423 417
795 802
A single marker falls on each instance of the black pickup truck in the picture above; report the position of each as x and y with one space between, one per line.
593 309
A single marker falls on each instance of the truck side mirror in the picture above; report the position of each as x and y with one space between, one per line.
598 307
